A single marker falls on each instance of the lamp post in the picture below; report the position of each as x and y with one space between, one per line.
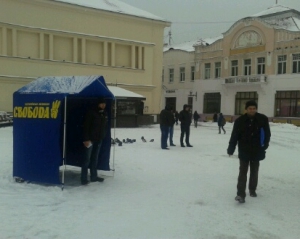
191 94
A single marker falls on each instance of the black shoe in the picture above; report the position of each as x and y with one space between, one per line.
253 194
240 199
151 140
172 145
182 145
85 182
188 145
166 148
98 179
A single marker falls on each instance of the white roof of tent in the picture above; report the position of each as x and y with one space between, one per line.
122 93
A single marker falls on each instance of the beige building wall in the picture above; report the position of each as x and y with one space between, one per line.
51 38
176 88
248 39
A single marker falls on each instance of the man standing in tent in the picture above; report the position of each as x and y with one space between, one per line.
94 130
251 132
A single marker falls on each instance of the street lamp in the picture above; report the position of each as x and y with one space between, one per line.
191 94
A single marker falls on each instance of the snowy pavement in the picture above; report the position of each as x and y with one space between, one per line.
178 193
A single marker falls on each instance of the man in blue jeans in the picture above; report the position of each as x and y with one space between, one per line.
94 130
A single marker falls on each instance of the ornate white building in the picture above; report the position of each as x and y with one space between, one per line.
258 58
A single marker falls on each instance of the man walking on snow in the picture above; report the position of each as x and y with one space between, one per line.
251 132
186 120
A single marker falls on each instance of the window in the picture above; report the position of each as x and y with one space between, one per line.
234 68
207 71
261 66
212 103
182 74
171 75
217 69
247 67
240 100
296 63
281 64
287 104
192 73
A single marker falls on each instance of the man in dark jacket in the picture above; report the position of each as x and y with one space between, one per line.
166 121
171 129
94 130
251 132
186 120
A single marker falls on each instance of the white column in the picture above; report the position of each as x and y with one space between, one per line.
4 41
83 50
75 50
51 48
14 42
113 53
42 46
133 56
105 55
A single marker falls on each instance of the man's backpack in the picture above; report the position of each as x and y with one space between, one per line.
223 121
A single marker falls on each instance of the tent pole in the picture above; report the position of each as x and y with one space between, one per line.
64 145
115 122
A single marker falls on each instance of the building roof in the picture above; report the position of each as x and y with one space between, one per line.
185 46
115 6
272 10
189 46
120 93
281 17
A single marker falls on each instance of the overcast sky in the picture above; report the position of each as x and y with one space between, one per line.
194 19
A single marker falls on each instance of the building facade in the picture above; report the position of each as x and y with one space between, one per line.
257 58
56 38
178 75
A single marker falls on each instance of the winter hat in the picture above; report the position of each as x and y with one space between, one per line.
101 100
250 103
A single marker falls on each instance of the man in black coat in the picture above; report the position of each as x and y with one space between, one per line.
166 121
186 120
251 132
94 130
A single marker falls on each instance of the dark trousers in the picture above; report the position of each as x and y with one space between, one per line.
195 123
171 132
185 130
221 127
164 136
242 179
90 160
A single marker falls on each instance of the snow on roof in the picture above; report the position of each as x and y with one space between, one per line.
208 41
185 46
120 92
290 23
189 46
272 10
113 6
58 84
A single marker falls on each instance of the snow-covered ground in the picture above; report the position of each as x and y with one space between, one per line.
178 193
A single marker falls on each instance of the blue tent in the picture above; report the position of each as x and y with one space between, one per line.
47 128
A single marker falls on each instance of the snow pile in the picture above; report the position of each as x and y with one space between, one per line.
178 193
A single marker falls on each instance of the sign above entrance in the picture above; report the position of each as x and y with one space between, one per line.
170 91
